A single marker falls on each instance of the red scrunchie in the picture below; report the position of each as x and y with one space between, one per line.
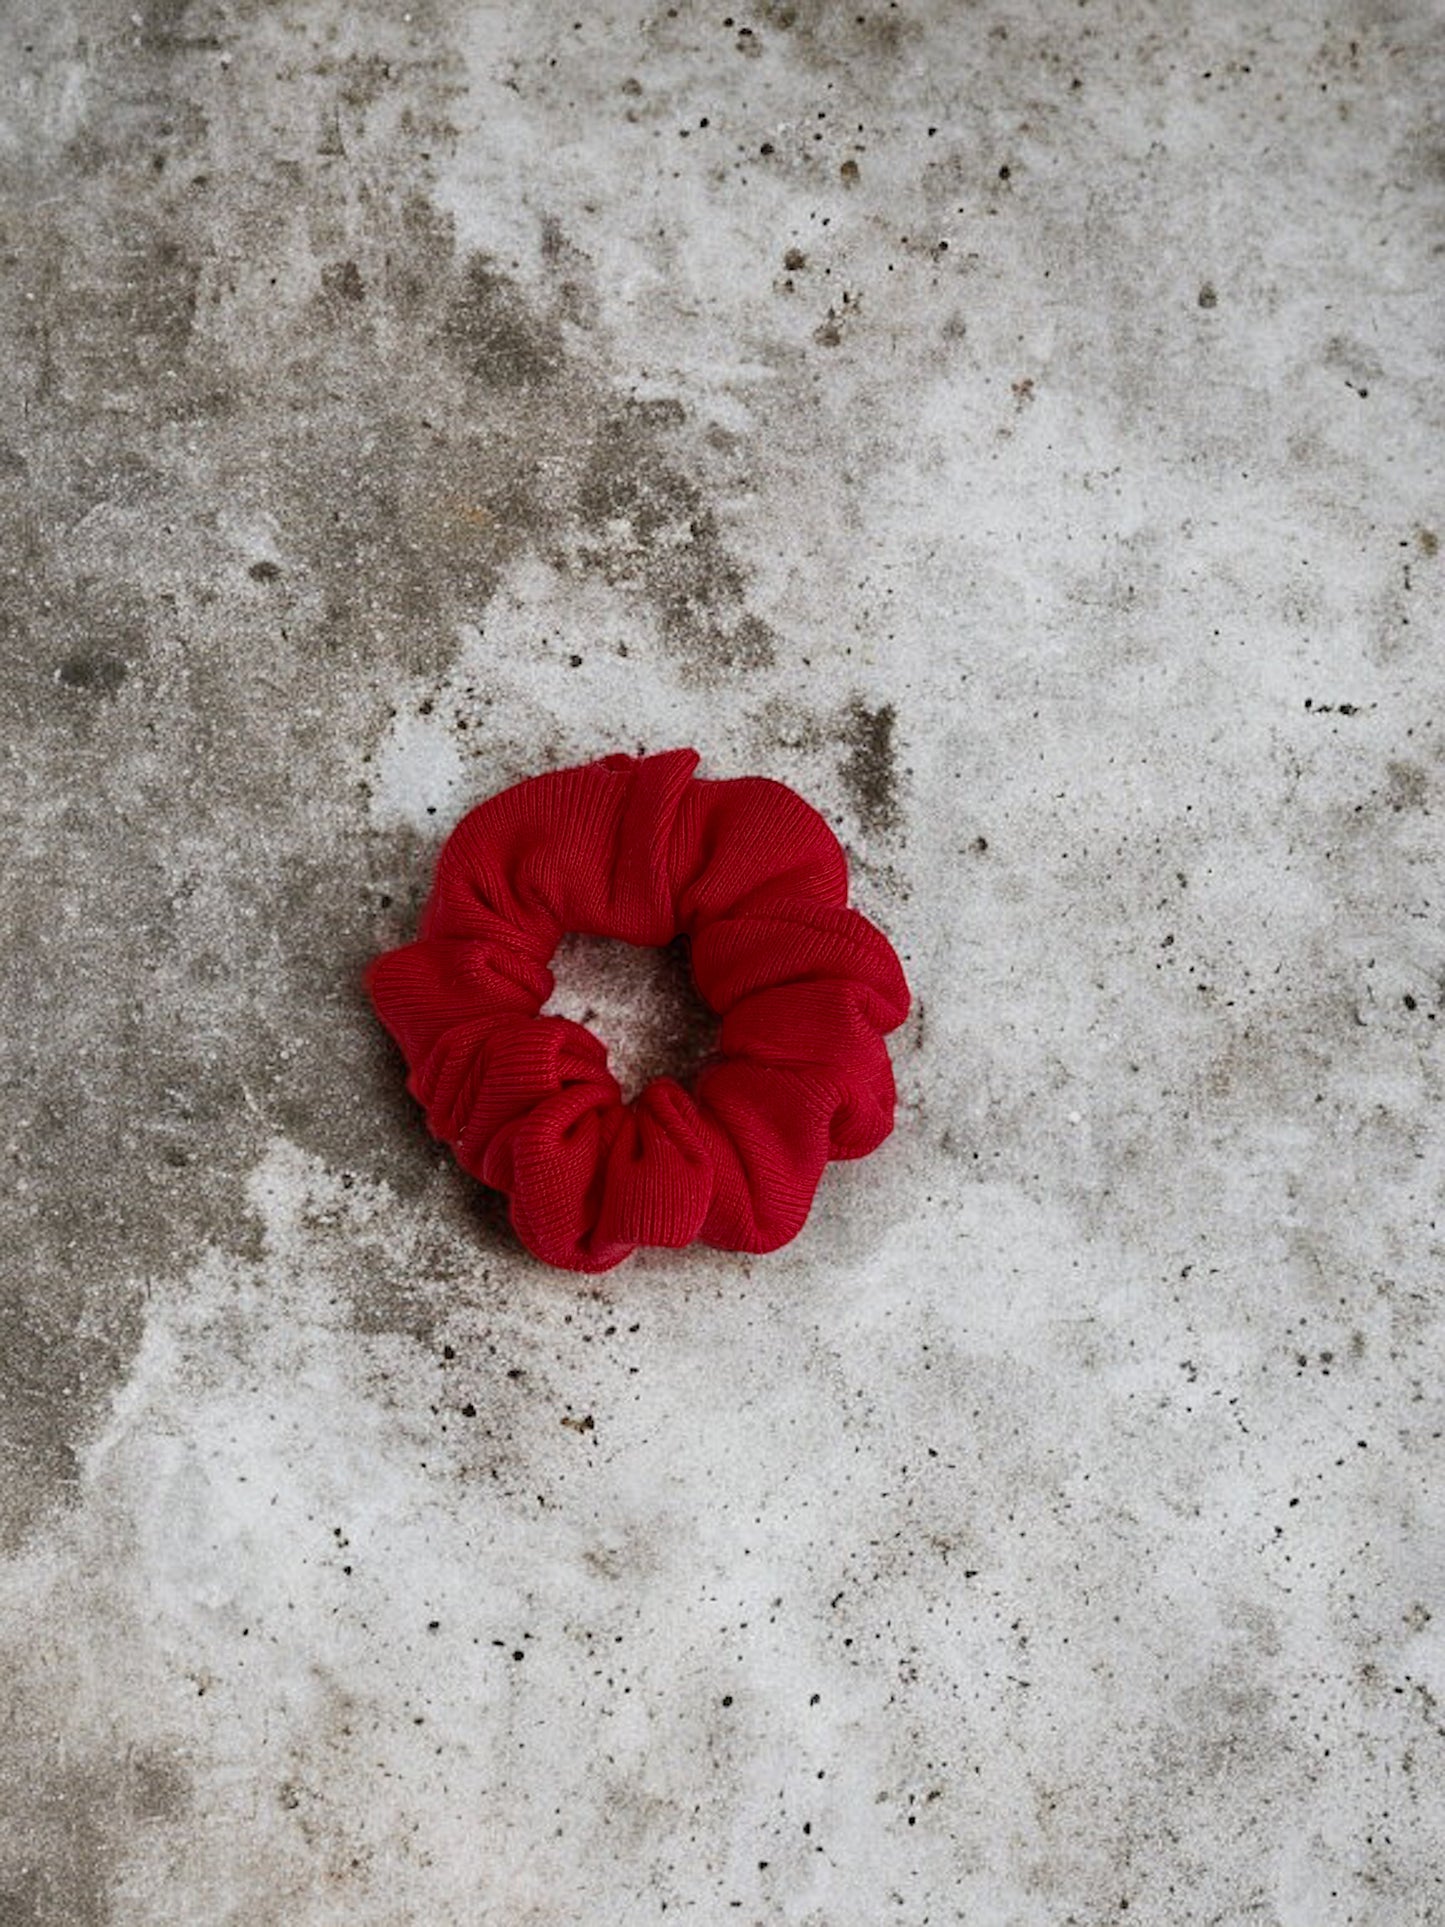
640 849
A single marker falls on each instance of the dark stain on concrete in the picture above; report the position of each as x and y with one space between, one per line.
493 334
78 1816
103 675
393 429
63 1878
870 770
68 638
158 1787
831 37
343 279
1407 786
646 524
162 30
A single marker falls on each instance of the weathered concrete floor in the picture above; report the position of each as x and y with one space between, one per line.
1018 426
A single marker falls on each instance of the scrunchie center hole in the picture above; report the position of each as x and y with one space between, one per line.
642 1004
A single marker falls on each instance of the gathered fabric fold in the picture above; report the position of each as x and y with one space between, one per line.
642 850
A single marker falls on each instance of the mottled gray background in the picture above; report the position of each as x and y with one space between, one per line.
1017 426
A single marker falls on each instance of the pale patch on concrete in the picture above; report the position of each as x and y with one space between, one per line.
565 662
420 776
584 1573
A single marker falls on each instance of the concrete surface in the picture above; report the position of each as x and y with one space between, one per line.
1016 425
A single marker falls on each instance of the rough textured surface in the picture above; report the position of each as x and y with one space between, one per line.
1016 426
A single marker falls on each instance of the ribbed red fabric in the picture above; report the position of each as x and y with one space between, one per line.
640 849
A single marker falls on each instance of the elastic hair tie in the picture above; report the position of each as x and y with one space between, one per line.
640 849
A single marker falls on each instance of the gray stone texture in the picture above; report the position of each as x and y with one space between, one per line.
1017 426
